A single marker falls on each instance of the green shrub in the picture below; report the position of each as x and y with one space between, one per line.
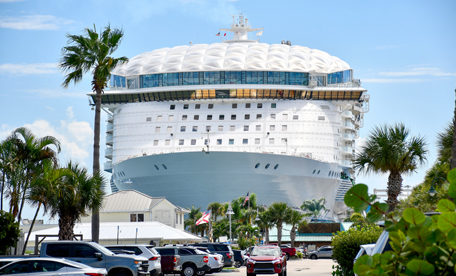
346 244
9 231
299 254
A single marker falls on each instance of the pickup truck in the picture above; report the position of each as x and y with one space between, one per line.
290 251
187 261
95 255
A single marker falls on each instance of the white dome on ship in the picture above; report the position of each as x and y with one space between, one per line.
232 57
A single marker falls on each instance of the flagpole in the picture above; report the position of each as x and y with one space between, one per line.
250 221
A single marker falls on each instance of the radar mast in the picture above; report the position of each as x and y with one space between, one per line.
240 29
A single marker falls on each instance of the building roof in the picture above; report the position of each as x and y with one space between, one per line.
132 200
108 231
232 56
300 237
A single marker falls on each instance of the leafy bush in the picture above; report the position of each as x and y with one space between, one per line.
299 254
9 231
420 245
346 244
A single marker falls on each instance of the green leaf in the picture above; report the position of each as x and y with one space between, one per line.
445 205
357 197
452 190
451 238
420 267
414 216
447 221
427 222
452 176
419 233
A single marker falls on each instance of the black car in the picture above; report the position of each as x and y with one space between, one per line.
220 248
238 258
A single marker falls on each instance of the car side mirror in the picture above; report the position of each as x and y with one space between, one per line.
98 256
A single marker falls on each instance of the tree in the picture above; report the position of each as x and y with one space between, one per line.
296 219
193 217
217 209
73 196
314 206
265 223
9 231
391 149
92 51
445 144
279 212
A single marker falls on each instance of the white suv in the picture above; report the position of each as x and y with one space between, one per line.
145 251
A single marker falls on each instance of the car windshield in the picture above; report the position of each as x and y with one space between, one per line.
102 249
259 251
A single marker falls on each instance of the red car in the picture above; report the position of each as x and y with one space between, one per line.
266 260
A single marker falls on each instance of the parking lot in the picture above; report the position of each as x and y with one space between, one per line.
300 267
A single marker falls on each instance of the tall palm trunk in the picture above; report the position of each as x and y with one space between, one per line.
293 235
279 233
453 147
66 225
96 163
3 186
31 228
267 236
394 189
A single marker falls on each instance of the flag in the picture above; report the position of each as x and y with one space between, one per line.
204 218
259 33
246 198
224 34
218 34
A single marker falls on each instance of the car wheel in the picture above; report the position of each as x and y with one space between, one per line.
237 264
251 274
122 272
188 270
288 256
285 272
313 257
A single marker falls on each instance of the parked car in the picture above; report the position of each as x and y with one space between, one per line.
267 260
239 258
170 260
322 252
221 248
288 250
50 266
143 250
191 260
215 260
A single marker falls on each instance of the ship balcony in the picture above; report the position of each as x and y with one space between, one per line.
357 108
108 153
109 139
108 166
348 125
110 119
347 163
347 136
346 150
347 114
109 128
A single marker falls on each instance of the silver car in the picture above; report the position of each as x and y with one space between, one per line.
322 252
143 250
50 267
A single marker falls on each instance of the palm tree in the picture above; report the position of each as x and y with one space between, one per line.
265 223
73 196
279 213
391 149
193 217
92 51
216 210
314 206
445 143
296 219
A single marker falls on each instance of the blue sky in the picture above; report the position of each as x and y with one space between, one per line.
403 52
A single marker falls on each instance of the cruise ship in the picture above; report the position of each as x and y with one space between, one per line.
201 123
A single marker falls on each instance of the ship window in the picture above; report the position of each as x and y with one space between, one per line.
159 117
196 117
247 116
276 166
157 129
260 105
267 166
148 119
231 142
197 106
257 165
273 105
284 141
258 128
258 116
220 128
164 167
284 116
271 127
185 106
157 167
219 141
247 105
257 141
195 128
184 117
221 117
232 128
329 174
208 128
246 128
273 116
181 142
233 117
284 127
193 142
318 172
210 106
170 117
295 117
234 105
271 141
155 142
314 171
183 128
245 141
321 118
167 142
169 129
209 117
172 107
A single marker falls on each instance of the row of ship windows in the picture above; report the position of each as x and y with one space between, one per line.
222 117
245 141
211 106
330 174
169 129
267 166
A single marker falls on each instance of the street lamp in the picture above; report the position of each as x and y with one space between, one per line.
229 213
432 191
257 216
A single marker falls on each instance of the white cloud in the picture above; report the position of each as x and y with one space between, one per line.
29 69
385 47
392 80
81 131
418 71
49 107
70 113
33 22
50 93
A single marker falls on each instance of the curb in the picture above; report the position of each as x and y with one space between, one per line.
230 270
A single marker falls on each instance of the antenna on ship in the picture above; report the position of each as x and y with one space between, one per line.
240 29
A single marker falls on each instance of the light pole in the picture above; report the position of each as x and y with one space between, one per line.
229 213
432 191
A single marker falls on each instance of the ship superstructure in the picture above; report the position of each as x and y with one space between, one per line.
207 122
